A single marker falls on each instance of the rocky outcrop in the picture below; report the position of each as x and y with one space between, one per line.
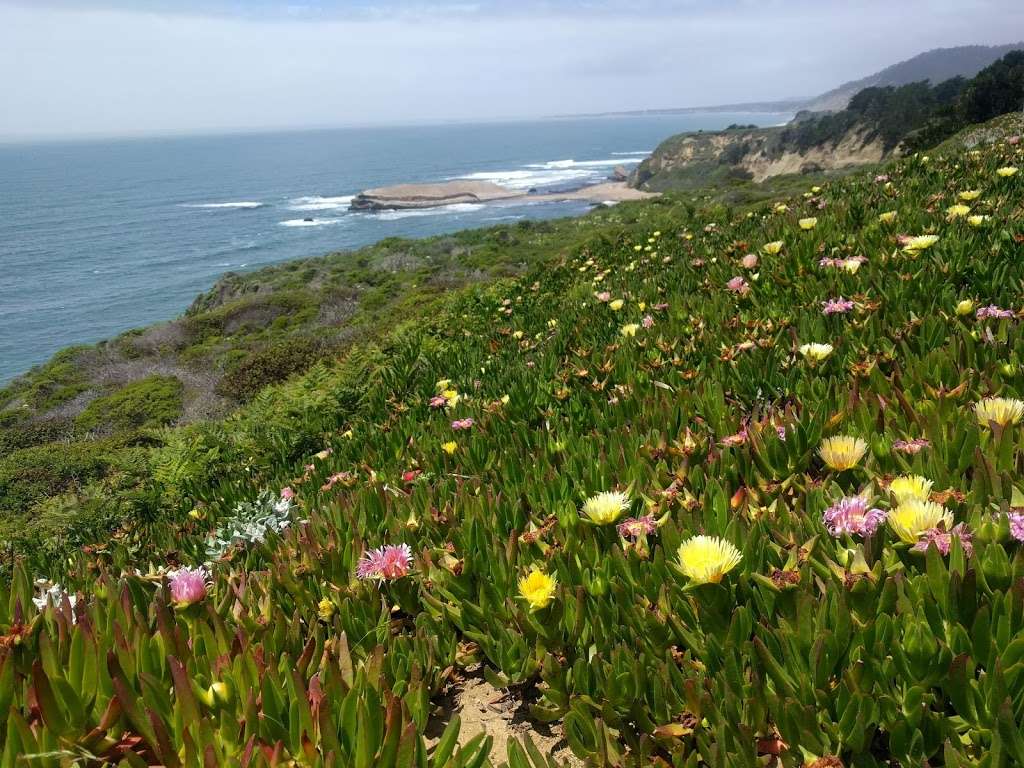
410 196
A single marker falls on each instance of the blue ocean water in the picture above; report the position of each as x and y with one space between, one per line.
101 236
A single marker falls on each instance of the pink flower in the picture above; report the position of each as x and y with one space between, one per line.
731 441
749 261
287 493
387 562
339 477
881 178
836 306
603 296
1013 141
943 539
1017 525
462 424
188 586
993 311
738 286
647 322
660 307
635 527
851 515
410 475
438 401
911 446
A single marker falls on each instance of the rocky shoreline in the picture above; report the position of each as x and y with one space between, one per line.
416 196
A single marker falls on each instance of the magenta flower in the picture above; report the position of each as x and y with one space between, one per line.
851 515
438 401
287 493
647 322
838 306
943 539
387 562
911 446
749 261
738 286
188 586
994 312
1017 525
462 424
635 527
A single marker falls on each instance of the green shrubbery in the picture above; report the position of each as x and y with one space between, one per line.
151 402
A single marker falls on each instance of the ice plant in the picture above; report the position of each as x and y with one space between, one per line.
914 517
842 452
706 559
635 527
915 245
629 329
993 312
1016 525
466 423
325 609
911 447
977 220
964 307
616 305
1007 171
772 248
388 562
807 224
999 410
188 586
888 217
605 508
538 589
450 447
838 306
969 195
943 539
907 487
738 286
749 261
957 211
852 515
816 352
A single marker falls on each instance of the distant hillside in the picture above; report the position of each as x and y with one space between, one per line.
934 66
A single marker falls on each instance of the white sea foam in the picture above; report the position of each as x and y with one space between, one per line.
310 222
438 211
318 203
554 164
239 204
643 152
523 180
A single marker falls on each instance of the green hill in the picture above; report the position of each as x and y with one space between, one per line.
807 381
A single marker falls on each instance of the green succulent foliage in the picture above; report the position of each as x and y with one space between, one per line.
690 397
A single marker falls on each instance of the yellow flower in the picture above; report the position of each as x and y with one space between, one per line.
443 384
773 247
616 305
1001 410
842 452
642 305
816 352
851 265
809 223
920 243
706 559
781 208
325 609
1007 171
630 329
964 307
517 334
970 194
638 247
504 399
815 189
957 211
888 217
452 397
914 516
538 589
977 220
607 507
450 447
907 487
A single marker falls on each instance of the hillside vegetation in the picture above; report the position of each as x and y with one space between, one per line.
879 122
517 479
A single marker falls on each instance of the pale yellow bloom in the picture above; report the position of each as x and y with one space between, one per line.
450 447
616 305
970 194
538 589
816 352
1007 171
505 399
920 243
607 507
964 307
809 223
851 265
443 384
325 609
629 329
706 559
888 217
977 220
781 208
517 334
907 487
842 452
773 247
957 211
815 189
914 517
1001 410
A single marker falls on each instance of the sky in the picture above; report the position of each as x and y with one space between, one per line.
127 67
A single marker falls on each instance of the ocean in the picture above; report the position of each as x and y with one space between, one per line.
97 237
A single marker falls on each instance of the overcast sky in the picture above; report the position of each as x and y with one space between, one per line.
78 67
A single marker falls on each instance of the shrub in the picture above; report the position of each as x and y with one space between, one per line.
150 402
